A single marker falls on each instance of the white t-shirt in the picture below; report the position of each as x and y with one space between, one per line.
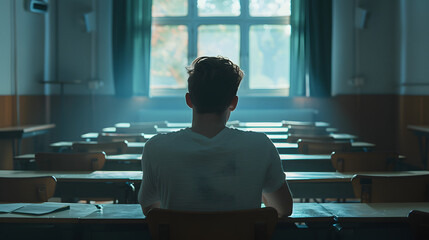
185 170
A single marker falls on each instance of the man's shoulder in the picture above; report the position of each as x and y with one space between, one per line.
164 138
250 135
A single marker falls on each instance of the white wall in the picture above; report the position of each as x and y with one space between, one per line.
342 46
82 55
5 48
414 47
30 37
29 52
370 53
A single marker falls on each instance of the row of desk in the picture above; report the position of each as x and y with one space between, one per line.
123 185
17 133
132 162
93 136
283 148
308 221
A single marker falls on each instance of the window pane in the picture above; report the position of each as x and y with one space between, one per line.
224 40
166 8
208 8
269 56
169 56
269 8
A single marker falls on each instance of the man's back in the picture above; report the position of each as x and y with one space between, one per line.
188 171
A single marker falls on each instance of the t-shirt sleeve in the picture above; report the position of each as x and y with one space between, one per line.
275 176
148 193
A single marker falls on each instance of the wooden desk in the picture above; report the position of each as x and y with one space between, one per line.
422 133
132 162
93 136
292 148
132 213
374 212
20 132
116 221
98 184
267 127
65 146
374 221
120 162
240 124
331 184
267 130
119 184
76 211
282 147
384 221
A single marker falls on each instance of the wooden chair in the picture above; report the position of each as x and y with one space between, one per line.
31 189
322 147
70 161
364 161
376 189
240 224
107 147
294 138
121 137
419 222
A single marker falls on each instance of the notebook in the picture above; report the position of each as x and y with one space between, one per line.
9 207
42 208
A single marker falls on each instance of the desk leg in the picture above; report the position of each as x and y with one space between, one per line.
423 146
14 147
425 154
18 149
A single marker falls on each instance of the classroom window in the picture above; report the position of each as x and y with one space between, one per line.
254 34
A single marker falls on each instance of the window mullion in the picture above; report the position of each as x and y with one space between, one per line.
244 42
192 30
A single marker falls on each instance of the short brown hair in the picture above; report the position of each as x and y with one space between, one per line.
213 83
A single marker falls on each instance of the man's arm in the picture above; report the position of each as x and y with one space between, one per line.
148 194
148 208
281 200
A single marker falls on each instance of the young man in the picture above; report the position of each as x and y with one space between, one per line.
210 167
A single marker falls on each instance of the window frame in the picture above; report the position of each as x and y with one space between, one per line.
244 21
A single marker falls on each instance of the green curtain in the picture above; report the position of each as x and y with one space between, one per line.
131 35
311 44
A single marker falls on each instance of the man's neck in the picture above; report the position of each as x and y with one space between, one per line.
208 124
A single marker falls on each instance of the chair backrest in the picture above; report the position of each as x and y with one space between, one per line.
304 130
420 224
290 124
293 138
70 161
31 189
322 147
364 161
240 224
121 137
138 129
406 188
107 147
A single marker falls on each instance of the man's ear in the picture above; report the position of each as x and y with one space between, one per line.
188 100
233 104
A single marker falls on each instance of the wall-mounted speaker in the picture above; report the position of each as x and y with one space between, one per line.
37 6
89 19
361 17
